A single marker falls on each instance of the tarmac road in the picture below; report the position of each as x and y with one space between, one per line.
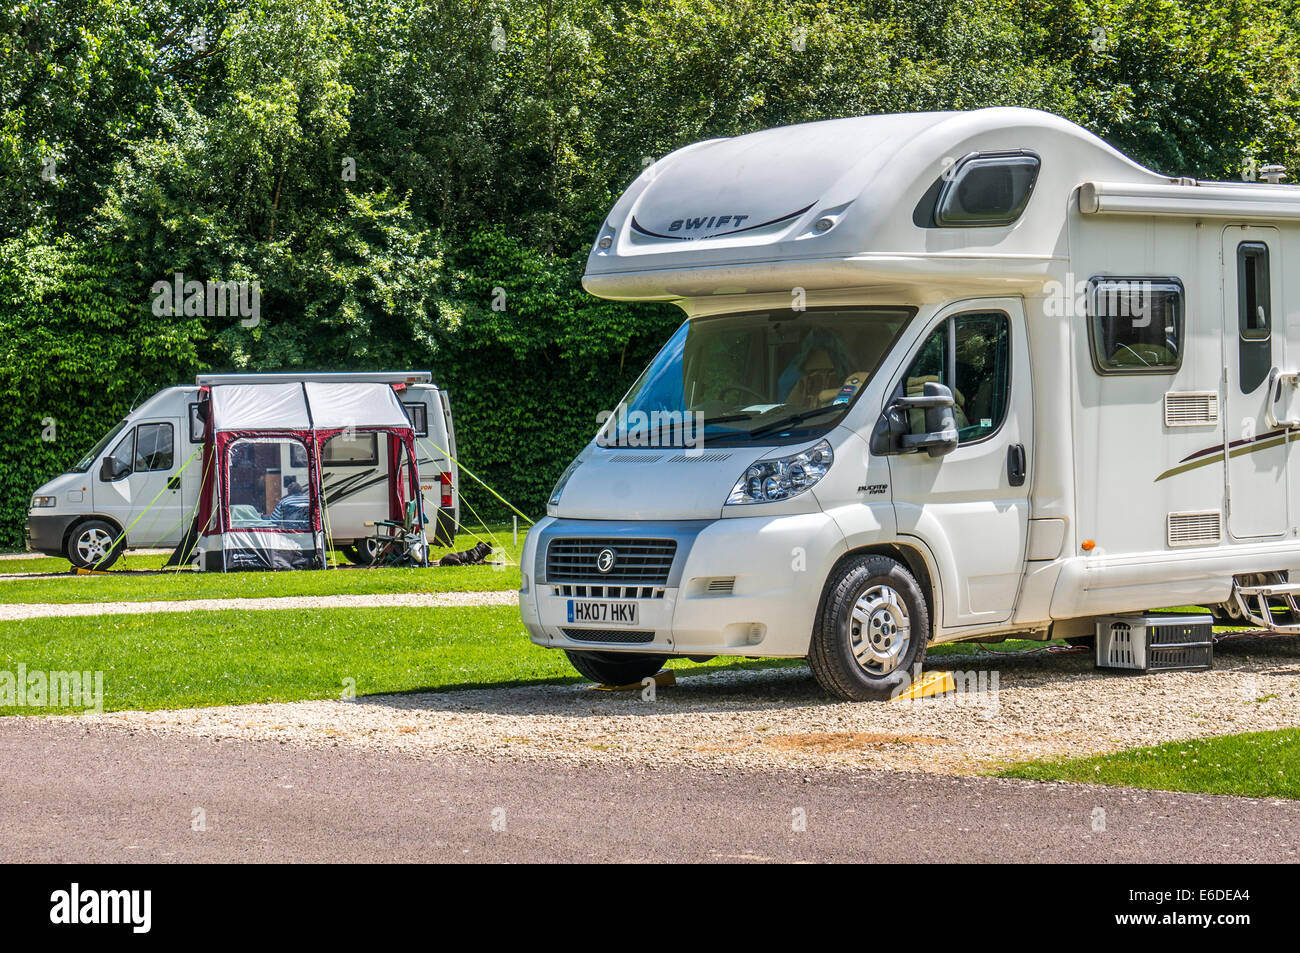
69 793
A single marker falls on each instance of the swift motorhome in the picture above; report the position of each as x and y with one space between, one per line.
960 375
139 486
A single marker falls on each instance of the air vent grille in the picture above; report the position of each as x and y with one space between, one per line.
721 586
1191 409
609 636
1200 528
715 456
636 458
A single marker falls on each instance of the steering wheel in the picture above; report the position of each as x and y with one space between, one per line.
741 390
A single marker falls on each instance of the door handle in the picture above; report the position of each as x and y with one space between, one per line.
174 483
1016 462
1276 378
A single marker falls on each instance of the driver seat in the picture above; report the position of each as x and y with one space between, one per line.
818 375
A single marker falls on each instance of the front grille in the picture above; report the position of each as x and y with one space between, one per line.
641 561
609 636
569 591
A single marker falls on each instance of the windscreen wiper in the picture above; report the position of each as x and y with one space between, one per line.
793 419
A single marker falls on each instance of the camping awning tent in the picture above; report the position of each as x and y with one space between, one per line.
260 503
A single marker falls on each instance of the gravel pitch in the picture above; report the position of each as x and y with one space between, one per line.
1044 706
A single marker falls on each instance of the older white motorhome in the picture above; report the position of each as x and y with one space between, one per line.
139 485
961 375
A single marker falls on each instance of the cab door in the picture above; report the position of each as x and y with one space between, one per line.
138 484
1258 452
971 506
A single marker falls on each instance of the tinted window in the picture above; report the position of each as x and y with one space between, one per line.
153 447
1135 325
1254 315
971 355
987 190
419 419
351 450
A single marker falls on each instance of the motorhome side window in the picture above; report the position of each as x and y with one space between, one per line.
350 450
1135 325
987 190
419 419
1254 315
971 355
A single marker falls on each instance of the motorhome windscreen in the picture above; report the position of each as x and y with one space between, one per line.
776 374
86 462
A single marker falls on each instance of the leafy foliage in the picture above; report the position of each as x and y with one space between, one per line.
382 167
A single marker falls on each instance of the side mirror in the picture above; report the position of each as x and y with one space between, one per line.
109 471
896 434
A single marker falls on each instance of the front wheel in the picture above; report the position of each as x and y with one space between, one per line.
95 544
872 630
615 668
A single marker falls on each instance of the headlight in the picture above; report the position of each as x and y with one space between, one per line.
782 477
39 501
564 478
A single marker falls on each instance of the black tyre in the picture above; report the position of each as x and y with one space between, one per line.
362 552
94 544
615 668
872 629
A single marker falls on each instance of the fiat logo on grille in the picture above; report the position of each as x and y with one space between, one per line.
605 560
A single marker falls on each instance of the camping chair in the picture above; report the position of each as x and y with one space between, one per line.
401 544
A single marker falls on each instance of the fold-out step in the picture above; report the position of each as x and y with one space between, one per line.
1253 601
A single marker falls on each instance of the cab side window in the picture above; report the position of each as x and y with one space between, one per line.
153 447
971 355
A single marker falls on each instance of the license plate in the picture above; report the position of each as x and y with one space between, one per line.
601 612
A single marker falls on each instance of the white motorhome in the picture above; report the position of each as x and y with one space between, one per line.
138 487
963 375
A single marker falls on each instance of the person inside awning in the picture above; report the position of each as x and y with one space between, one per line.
294 509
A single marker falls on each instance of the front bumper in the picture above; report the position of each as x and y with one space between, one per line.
45 534
737 586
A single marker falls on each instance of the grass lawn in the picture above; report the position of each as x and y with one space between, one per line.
126 584
190 659
1259 764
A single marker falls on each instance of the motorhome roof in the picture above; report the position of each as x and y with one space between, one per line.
345 377
740 215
